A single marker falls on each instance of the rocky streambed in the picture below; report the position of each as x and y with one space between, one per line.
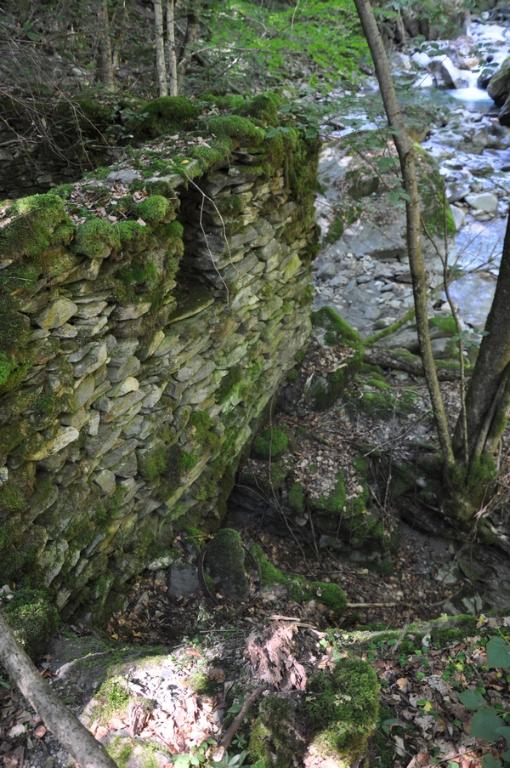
362 267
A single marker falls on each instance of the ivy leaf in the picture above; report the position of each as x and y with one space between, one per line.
182 761
485 724
505 732
489 761
498 653
472 699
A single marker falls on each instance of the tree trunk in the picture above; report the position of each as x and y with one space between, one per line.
105 59
160 49
419 276
190 36
488 395
171 48
71 734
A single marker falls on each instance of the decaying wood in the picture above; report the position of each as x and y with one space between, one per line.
238 720
66 728
385 359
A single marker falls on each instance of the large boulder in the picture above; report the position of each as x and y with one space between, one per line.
499 84
446 73
504 112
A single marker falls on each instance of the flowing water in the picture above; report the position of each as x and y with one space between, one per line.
364 273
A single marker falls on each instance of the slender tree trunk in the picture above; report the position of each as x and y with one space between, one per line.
419 276
105 59
488 395
171 48
160 49
71 734
190 36
119 23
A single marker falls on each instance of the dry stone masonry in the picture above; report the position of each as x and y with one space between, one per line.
148 314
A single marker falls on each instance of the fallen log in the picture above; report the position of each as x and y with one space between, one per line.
64 726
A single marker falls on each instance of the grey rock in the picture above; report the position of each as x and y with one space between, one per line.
485 202
57 313
499 84
183 580
126 176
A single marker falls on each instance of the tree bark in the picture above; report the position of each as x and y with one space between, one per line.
71 734
105 58
190 36
487 399
419 276
171 48
160 49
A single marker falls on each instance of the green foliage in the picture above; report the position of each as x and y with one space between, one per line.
498 653
270 444
489 723
319 39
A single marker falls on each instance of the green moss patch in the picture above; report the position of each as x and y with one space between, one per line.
32 224
33 618
300 589
96 238
153 209
164 115
271 444
236 127
343 709
111 700
338 330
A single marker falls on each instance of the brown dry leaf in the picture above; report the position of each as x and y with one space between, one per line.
403 684
421 760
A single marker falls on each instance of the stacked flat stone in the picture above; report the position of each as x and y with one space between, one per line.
136 357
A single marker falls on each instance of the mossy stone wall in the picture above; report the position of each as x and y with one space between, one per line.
147 316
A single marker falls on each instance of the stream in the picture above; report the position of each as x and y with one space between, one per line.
364 273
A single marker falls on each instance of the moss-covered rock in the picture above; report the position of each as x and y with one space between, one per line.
236 127
154 209
34 619
96 238
111 700
300 589
133 753
165 115
343 709
337 330
33 222
225 564
273 734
